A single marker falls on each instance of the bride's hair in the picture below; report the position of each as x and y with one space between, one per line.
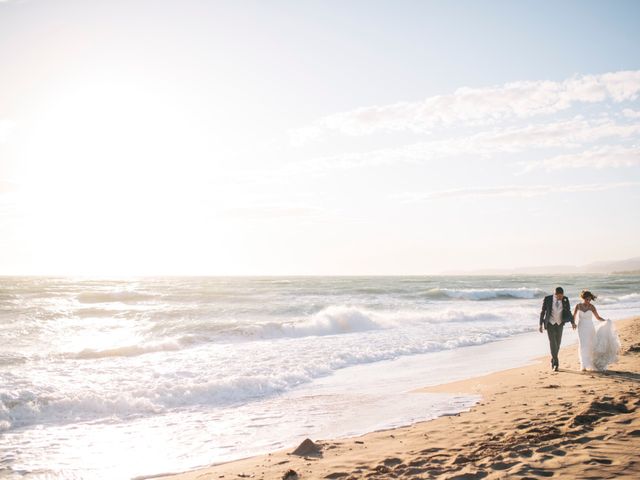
587 295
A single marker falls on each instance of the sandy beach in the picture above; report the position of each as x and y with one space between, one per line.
531 423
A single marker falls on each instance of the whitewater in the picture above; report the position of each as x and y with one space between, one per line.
120 378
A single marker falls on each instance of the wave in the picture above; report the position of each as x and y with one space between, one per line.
26 407
93 312
486 293
122 296
125 350
12 358
333 320
342 319
43 404
630 297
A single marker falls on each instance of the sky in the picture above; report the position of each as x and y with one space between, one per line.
318 137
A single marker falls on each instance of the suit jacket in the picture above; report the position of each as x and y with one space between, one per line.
545 314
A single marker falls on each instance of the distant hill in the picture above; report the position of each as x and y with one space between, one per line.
629 266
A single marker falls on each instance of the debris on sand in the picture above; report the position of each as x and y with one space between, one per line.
308 449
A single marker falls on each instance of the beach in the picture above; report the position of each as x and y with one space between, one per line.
531 422
139 377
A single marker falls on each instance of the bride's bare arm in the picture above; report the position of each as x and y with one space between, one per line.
575 313
595 312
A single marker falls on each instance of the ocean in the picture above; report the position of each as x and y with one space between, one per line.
121 378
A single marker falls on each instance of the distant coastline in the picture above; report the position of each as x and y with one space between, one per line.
630 266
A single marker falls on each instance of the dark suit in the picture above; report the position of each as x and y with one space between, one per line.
545 314
554 332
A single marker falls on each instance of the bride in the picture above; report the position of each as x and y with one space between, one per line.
597 347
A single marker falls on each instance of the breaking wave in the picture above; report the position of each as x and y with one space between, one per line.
485 293
341 319
125 350
122 296
39 404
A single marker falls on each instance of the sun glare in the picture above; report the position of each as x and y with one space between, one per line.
107 167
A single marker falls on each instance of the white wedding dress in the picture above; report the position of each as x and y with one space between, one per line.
597 346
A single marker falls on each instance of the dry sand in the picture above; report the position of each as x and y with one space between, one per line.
531 423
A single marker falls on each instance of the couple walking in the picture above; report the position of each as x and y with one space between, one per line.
597 347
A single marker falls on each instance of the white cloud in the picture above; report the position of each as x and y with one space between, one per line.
627 112
509 191
476 106
573 133
606 156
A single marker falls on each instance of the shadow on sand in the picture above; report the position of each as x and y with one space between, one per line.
623 375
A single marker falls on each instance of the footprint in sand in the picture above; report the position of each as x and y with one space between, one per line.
390 462
337 475
502 465
545 449
469 476
430 450
599 461
413 471
541 473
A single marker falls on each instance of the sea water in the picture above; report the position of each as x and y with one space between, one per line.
118 378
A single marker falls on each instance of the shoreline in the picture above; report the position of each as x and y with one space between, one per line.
452 446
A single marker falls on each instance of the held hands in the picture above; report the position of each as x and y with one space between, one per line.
540 328
573 325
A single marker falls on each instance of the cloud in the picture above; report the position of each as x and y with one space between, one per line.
509 191
606 156
573 133
477 106
627 112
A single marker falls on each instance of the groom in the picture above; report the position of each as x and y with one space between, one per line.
556 311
